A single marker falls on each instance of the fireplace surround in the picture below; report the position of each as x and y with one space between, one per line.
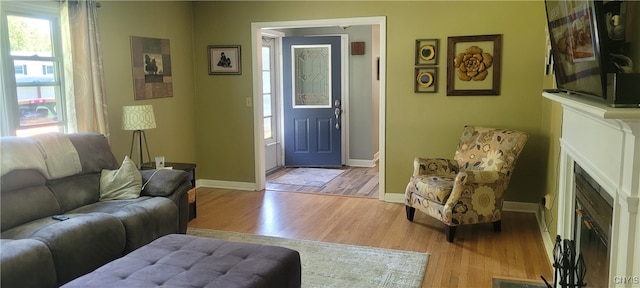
592 227
605 142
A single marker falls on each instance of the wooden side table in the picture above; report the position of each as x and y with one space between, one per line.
190 168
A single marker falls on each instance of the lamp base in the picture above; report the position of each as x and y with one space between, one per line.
141 136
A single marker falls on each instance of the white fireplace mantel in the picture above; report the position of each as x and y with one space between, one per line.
605 142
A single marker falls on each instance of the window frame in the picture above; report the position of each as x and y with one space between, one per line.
272 93
9 104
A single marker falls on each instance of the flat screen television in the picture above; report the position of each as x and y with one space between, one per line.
594 44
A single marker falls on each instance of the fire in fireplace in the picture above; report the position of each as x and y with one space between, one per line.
592 228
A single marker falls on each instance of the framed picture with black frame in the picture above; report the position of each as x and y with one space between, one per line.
224 59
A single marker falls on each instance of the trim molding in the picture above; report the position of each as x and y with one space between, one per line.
393 197
361 163
245 186
537 210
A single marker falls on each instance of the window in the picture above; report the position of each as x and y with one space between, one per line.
268 95
21 69
32 97
47 69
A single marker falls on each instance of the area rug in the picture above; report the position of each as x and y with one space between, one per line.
308 176
338 265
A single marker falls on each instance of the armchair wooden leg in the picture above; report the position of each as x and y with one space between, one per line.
450 232
410 213
497 226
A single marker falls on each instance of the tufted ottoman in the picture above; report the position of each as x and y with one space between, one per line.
178 260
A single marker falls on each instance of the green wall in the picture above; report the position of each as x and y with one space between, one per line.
416 124
175 136
207 120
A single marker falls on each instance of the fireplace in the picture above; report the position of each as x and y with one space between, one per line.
592 227
604 143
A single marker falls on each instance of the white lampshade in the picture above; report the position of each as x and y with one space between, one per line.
138 117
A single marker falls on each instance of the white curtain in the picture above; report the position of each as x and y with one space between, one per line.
85 91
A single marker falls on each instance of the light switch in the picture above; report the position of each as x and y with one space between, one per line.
249 102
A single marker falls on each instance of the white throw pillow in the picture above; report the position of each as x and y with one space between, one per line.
124 183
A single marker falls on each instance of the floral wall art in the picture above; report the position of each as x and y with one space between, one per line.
473 65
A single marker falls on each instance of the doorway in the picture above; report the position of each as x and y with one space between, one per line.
260 29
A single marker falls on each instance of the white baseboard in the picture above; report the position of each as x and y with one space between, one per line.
519 207
536 209
548 241
361 163
393 197
226 184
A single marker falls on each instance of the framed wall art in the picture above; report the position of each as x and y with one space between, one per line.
427 51
151 61
426 80
473 65
224 59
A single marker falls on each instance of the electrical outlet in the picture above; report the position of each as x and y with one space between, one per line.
547 201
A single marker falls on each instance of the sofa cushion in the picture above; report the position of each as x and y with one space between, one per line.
144 218
94 152
123 183
79 245
19 257
25 198
76 191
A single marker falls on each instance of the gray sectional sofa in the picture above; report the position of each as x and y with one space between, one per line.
60 174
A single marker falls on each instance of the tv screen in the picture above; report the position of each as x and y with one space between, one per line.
573 29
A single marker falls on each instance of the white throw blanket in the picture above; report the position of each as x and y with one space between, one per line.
53 154
60 156
21 153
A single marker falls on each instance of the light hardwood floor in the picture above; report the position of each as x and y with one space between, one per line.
472 260
354 181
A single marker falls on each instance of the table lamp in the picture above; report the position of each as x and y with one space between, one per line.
138 118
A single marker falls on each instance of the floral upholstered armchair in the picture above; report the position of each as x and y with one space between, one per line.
469 188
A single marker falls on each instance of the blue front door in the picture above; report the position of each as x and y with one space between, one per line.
312 101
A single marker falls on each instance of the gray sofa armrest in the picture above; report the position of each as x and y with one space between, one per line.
162 182
172 184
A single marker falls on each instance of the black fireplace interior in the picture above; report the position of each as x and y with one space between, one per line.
592 229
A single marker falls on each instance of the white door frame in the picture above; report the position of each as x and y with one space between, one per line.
277 88
256 43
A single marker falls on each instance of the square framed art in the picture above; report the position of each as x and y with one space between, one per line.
473 65
426 80
151 61
224 59
427 51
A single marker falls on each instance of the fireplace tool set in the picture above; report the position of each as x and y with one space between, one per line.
568 272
